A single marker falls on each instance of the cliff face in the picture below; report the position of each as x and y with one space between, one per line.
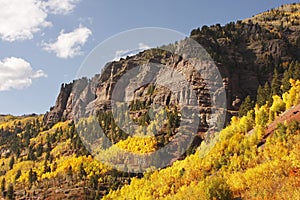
56 112
246 54
73 97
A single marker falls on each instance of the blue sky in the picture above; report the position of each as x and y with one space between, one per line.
44 42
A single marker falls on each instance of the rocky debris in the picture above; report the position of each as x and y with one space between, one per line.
236 103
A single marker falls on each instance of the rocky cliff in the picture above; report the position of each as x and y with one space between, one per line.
246 54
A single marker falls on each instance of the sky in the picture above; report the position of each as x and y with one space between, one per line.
43 43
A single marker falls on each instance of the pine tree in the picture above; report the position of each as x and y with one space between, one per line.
10 192
82 172
32 177
246 106
260 96
70 173
286 82
94 181
39 150
31 155
275 84
294 70
18 174
268 93
263 94
3 185
11 162
46 167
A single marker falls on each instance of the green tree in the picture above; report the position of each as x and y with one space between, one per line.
3 185
276 84
31 155
286 82
263 95
94 181
32 177
292 72
10 192
39 150
82 172
70 173
18 174
46 167
260 98
246 106
217 189
11 162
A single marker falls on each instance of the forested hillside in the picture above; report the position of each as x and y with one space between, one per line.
246 162
255 156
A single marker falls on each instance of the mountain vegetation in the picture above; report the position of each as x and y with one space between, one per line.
245 162
255 156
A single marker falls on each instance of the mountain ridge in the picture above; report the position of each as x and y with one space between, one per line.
256 156
245 53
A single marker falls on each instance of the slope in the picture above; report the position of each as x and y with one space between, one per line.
237 166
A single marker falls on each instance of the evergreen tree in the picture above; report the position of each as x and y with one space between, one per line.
11 162
3 185
268 94
47 157
292 72
70 173
246 106
275 84
18 174
31 155
82 172
46 167
263 94
94 181
39 150
286 82
10 192
32 177
296 72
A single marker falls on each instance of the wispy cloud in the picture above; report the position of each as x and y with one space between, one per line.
62 7
16 73
68 45
130 52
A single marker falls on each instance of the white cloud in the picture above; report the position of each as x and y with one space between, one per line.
16 73
143 46
68 45
62 7
19 20
124 53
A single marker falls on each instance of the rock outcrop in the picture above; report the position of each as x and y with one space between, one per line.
246 54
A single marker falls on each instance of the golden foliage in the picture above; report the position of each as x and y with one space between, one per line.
139 145
235 165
